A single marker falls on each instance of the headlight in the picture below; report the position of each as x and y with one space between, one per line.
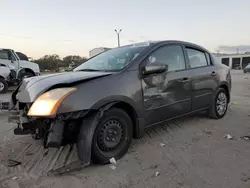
48 103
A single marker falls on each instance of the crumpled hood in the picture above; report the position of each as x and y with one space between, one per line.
33 87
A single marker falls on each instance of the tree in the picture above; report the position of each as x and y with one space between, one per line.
73 60
53 62
49 62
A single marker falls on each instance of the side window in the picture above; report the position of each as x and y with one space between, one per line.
196 58
171 55
4 54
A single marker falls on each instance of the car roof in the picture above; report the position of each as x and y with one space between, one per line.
148 43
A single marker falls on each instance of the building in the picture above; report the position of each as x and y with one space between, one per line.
97 51
234 61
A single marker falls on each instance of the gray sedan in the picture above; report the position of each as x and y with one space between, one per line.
114 96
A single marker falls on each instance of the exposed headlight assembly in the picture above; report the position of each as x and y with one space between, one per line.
48 103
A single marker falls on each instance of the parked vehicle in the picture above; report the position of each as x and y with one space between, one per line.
23 68
247 68
4 77
115 95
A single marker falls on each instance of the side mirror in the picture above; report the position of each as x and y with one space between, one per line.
154 68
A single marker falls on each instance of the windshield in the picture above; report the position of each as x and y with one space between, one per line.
112 60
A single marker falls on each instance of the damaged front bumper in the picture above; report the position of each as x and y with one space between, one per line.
59 131
55 132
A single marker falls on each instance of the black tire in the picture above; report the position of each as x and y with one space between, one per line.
113 118
213 111
3 86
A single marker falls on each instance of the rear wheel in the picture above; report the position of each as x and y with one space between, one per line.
112 136
3 86
220 104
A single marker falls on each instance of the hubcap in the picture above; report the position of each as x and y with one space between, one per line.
110 135
1 86
221 103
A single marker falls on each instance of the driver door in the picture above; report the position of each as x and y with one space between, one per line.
167 94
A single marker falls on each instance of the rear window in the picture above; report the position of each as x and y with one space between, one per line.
196 58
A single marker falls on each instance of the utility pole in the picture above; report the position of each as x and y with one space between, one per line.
118 36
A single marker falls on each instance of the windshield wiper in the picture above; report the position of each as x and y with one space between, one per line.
90 70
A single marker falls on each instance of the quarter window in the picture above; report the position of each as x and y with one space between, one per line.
171 55
196 58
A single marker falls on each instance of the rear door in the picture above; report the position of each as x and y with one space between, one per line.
167 94
203 77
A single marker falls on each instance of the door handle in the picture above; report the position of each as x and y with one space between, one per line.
213 73
184 80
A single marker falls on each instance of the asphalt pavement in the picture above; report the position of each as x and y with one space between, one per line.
188 152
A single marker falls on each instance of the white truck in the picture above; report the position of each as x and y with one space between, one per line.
17 69
22 68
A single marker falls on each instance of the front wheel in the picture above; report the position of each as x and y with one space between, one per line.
219 105
3 86
112 136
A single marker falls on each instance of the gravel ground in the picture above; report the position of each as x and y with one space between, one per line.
188 152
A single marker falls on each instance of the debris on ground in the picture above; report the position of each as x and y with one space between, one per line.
245 177
228 137
245 137
208 132
29 153
112 160
113 167
154 166
46 152
157 174
13 163
162 144
14 178
71 167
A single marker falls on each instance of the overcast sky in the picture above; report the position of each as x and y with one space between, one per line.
39 27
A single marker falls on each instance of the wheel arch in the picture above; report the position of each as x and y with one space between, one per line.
226 88
29 70
25 70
